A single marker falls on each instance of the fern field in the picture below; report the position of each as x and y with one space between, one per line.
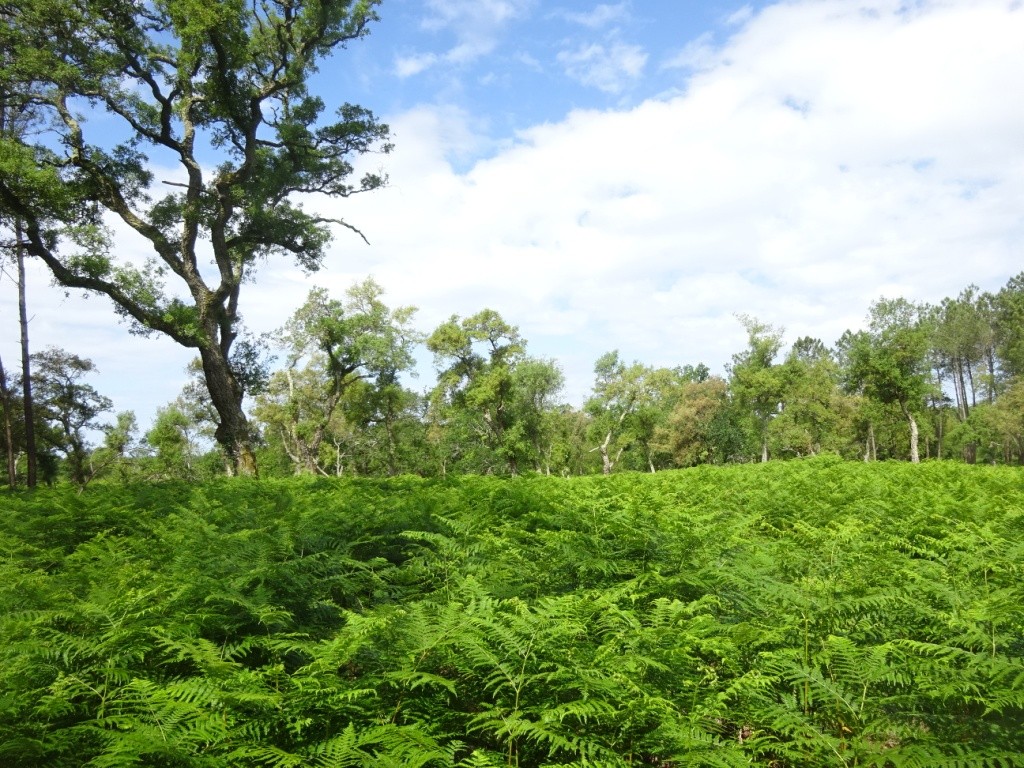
812 613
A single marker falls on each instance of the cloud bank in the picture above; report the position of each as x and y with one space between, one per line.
826 154
823 155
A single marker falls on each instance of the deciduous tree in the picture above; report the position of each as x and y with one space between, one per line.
176 440
755 382
689 434
536 386
814 413
474 400
619 396
889 361
69 405
119 451
331 346
217 89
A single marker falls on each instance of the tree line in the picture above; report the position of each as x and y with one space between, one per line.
938 381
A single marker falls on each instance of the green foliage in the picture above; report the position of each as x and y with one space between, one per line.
1009 322
629 405
807 613
756 381
217 89
490 411
889 362
962 344
68 407
174 439
691 433
815 415
352 352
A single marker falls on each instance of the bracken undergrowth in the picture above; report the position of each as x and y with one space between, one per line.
810 613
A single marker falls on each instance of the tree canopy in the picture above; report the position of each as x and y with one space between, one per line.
342 344
216 89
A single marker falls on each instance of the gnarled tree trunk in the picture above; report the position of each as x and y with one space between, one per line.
233 432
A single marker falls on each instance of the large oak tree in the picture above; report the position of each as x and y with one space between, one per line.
217 89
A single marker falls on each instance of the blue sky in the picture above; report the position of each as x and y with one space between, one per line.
515 63
633 175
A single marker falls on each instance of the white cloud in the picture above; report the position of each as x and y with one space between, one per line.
741 16
407 66
697 54
529 61
600 16
477 15
476 24
825 156
610 68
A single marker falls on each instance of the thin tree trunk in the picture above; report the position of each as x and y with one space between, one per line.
5 393
28 405
961 387
990 354
293 455
974 390
337 458
870 449
915 456
5 397
389 431
606 463
26 370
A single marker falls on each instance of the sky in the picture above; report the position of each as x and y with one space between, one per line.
633 175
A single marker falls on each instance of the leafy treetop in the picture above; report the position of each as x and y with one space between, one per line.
217 88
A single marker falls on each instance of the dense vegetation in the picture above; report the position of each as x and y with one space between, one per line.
805 613
920 382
